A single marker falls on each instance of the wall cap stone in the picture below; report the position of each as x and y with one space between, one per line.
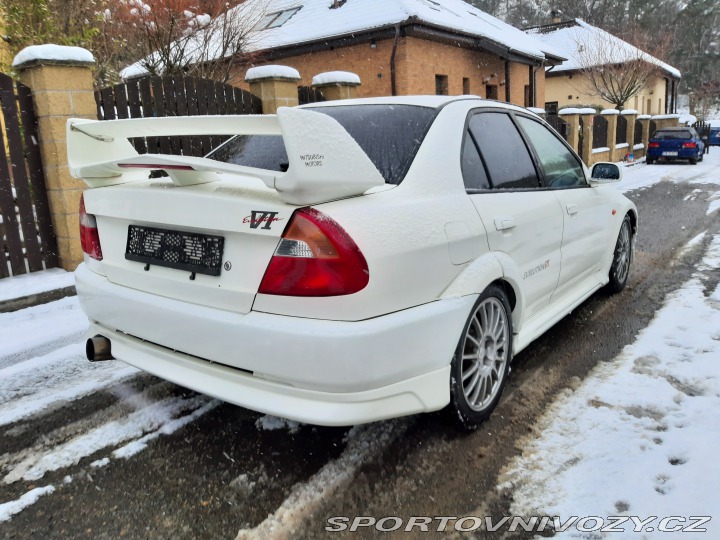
628 111
666 116
336 78
610 112
49 54
266 73
573 110
644 117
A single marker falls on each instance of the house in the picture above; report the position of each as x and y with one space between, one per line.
588 49
400 47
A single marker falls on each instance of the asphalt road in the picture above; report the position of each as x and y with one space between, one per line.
221 473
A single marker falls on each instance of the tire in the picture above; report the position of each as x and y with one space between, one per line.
693 161
622 256
481 363
649 160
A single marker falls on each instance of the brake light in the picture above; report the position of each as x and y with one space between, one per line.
89 237
654 145
155 166
315 257
689 145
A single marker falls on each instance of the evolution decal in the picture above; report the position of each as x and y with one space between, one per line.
261 217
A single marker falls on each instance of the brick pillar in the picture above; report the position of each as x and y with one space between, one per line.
276 86
611 115
62 87
630 115
587 116
337 84
572 118
645 121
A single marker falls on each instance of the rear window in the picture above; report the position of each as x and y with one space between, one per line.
672 135
389 134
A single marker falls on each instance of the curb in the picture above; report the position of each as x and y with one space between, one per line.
16 304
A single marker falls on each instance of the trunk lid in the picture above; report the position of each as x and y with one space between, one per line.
249 219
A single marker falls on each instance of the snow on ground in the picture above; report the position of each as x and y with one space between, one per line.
640 175
9 509
35 283
639 437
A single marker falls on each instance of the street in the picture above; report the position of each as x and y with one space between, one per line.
105 451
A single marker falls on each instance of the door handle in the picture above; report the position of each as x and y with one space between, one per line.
504 222
572 209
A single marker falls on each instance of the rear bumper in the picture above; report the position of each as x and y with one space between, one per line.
681 154
323 372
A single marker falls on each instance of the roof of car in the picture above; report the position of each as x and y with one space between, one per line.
418 101
678 128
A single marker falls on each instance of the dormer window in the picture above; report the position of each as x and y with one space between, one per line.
274 20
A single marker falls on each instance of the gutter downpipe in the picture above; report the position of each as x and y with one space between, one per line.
393 85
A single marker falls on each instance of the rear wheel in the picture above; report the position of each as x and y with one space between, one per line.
693 161
481 364
649 160
620 268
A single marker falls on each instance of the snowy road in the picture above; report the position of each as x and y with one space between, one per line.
104 451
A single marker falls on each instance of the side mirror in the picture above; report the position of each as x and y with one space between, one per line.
605 173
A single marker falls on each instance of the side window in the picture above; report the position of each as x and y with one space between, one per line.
561 167
508 161
473 170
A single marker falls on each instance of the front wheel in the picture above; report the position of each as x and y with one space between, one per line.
481 363
620 268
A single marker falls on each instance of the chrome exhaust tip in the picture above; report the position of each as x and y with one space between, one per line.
98 348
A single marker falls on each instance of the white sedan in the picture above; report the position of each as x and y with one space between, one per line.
343 262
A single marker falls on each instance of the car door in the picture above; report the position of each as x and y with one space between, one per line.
585 210
523 222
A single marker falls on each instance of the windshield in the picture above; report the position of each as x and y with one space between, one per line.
672 135
389 134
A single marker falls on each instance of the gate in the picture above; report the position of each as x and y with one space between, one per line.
308 94
600 132
703 129
27 241
174 96
558 125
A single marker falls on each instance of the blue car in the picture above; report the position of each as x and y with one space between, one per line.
675 143
714 136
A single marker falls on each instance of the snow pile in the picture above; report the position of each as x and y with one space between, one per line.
57 53
35 283
9 509
336 77
267 72
639 437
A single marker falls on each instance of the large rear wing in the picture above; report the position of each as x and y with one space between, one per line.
325 162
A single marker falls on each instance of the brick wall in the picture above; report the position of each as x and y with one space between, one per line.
417 63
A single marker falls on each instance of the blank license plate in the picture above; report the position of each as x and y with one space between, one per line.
670 153
196 253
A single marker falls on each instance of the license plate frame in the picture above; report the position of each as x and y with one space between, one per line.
180 250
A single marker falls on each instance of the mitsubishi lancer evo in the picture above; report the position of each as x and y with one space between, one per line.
343 262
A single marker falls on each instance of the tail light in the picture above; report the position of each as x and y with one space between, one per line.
89 237
689 145
315 257
654 145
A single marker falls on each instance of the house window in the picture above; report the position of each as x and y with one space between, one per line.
274 20
466 86
491 91
528 96
441 85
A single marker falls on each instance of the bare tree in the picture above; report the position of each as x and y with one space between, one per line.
616 70
191 37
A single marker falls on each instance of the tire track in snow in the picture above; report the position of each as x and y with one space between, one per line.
364 443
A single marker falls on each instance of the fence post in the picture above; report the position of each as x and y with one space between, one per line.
572 118
645 121
276 86
587 116
61 82
337 84
630 115
611 115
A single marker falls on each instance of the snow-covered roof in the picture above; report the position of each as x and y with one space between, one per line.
569 37
317 21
